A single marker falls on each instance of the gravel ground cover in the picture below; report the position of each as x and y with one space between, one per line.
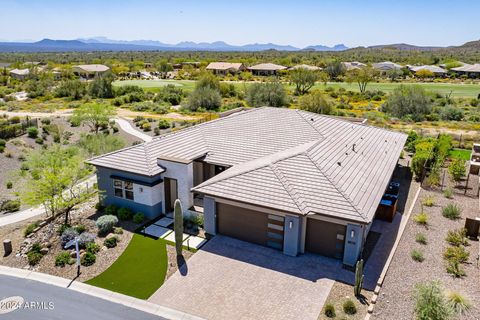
396 296
86 215
339 294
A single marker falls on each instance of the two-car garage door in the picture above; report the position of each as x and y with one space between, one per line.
321 237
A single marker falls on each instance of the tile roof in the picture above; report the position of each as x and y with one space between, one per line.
92 67
285 159
434 69
20 72
306 67
224 66
386 65
468 68
267 66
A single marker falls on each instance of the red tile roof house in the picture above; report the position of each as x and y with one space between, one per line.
284 178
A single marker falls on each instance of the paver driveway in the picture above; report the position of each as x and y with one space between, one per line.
232 279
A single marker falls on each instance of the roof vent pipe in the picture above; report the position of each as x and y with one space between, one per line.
353 147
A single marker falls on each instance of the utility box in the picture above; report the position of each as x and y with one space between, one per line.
473 227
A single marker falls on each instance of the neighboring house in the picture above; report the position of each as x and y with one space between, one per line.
469 70
353 65
266 69
284 178
20 74
306 67
436 70
386 66
4 65
89 71
224 68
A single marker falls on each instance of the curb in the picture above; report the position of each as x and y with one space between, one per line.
104 294
403 225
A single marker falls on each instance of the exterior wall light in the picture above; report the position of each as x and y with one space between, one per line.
352 234
290 224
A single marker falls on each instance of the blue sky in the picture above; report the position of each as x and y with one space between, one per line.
300 22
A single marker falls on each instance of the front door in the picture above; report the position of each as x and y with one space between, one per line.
171 193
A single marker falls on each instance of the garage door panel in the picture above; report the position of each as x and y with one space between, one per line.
243 224
325 238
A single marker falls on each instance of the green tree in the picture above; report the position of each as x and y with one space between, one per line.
94 115
408 102
362 76
74 89
204 98
101 86
270 94
208 79
315 102
53 178
335 69
163 68
303 79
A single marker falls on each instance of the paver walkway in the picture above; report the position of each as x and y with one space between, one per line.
232 279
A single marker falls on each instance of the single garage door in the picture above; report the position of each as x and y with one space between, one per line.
325 238
250 225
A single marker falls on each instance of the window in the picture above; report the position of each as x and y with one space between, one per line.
123 189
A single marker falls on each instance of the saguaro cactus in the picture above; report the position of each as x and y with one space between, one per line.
358 278
178 226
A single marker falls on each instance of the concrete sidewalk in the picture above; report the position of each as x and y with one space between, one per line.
15 217
114 297
128 128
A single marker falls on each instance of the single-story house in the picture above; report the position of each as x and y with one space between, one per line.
266 69
224 68
436 70
386 66
89 71
305 67
469 70
353 65
20 74
288 179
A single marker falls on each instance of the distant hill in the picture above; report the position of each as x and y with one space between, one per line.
404 47
471 45
338 47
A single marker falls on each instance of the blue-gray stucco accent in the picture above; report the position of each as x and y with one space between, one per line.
291 235
107 197
209 215
353 244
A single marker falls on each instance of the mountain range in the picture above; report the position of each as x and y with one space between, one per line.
105 44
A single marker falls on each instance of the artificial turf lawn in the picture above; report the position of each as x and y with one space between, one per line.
460 154
139 271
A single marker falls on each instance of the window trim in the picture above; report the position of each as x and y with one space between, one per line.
123 189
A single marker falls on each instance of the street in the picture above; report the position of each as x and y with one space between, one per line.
44 301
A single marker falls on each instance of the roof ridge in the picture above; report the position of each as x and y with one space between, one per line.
288 188
340 191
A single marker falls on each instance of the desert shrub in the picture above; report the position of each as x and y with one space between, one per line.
68 235
9 185
457 237
457 169
80 228
138 217
146 126
62 259
410 102
429 201
111 210
204 98
424 152
448 193
270 94
29 229
39 140
85 238
118 230
110 242
92 247
62 228
430 302
125 214
458 303
32 132
349 307
106 223
451 211
88 259
34 257
3 142
455 269
421 218
417 255
10 206
421 238
315 102
163 124
458 254
330 310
